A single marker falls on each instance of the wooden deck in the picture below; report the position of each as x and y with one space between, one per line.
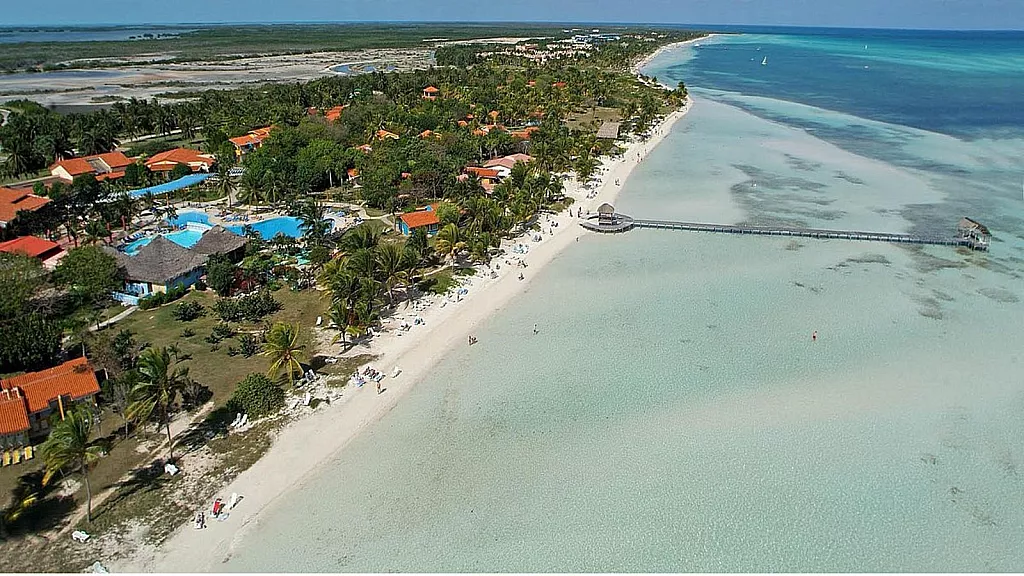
622 223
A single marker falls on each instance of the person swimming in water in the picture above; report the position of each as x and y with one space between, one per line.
814 336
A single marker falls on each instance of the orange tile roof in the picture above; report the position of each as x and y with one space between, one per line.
110 176
113 159
426 134
30 246
482 172
353 172
333 114
420 218
382 134
365 148
253 137
431 90
74 166
74 378
13 201
13 415
463 123
168 160
525 133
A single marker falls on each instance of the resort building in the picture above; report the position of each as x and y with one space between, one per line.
333 114
164 264
158 266
974 231
504 164
609 131
384 134
28 401
430 93
220 240
166 161
251 141
49 253
109 166
426 218
14 200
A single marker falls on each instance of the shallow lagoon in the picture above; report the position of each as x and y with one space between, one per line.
674 415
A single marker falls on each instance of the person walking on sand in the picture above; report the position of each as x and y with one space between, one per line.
378 386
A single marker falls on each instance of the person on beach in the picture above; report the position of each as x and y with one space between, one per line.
535 331
378 386
520 275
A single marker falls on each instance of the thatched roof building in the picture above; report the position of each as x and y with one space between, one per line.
159 262
609 130
219 240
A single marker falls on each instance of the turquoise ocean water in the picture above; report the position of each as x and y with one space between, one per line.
673 414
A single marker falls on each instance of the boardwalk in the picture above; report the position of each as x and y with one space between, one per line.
622 223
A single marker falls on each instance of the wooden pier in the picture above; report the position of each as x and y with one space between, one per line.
607 220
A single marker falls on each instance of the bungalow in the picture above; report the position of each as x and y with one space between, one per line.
166 161
251 141
50 253
157 267
13 201
27 401
365 148
384 134
430 93
525 133
109 166
507 162
426 218
333 114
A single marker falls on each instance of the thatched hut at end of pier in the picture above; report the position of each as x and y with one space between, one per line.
974 231
606 214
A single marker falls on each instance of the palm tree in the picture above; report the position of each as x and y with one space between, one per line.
449 243
391 264
339 316
226 185
361 237
161 380
69 446
283 349
313 221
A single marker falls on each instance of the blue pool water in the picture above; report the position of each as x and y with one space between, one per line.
268 229
186 238
189 217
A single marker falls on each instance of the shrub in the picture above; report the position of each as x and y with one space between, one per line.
228 310
188 333
188 311
252 307
161 298
257 396
249 345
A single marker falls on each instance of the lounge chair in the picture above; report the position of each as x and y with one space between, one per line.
15 456
243 421
29 453
7 458
238 418
79 536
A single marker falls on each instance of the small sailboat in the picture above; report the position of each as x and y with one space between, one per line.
765 61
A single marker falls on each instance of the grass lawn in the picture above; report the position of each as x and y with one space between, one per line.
210 363
597 114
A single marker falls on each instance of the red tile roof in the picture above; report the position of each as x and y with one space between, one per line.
382 134
74 378
165 161
431 90
13 201
13 416
74 166
333 114
420 218
254 137
30 246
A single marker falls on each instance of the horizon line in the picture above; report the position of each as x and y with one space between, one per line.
686 25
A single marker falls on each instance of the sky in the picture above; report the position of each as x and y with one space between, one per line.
941 14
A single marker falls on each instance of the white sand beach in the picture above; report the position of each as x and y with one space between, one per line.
648 58
305 444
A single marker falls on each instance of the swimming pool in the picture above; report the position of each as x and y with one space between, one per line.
185 238
267 229
186 217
